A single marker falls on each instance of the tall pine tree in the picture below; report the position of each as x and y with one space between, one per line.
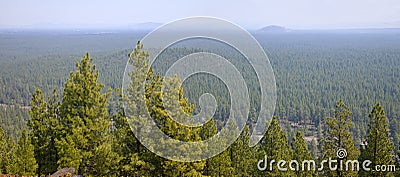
338 136
133 155
138 160
379 148
3 151
300 154
44 125
219 165
174 99
11 159
242 155
26 162
85 141
152 97
275 146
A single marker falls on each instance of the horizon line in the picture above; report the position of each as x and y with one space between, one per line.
154 25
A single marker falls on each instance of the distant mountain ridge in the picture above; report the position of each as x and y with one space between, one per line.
149 26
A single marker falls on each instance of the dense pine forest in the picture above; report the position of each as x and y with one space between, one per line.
329 85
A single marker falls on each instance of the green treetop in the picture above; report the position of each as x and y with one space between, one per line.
44 127
378 148
85 141
3 151
338 136
275 146
26 162
300 154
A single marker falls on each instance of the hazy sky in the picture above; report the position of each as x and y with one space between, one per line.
296 14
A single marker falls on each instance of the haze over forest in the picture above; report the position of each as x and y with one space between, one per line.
336 65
